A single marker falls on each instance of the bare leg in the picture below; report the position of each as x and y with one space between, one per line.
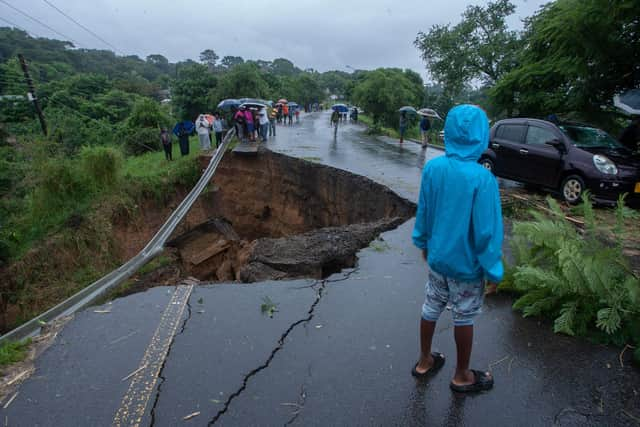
427 329
464 343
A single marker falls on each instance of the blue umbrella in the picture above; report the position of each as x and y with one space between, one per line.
340 108
628 101
228 104
186 125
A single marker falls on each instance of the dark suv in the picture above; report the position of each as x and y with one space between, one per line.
567 157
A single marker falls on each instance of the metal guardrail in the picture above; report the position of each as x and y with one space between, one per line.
89 294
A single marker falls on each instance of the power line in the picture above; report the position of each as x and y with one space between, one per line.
83 27
13 25
38 21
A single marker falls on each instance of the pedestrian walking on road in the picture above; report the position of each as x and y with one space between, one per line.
249 120
297 113
203 128
335 119
425 126
403 125
459 230
217 128
165 139
285 113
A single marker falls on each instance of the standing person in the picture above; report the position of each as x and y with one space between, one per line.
263 118
297 113
279 117
248 119
203 129
240 124
165 139
285 113
272 121
335 119
630 136
459 230
182 131
217 128
403 125
425 125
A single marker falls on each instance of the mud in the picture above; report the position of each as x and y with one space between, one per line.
276 217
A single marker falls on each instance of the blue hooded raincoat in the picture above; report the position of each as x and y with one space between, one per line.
459 220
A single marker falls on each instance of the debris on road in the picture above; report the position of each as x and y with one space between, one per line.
135 372
268 307
102 311
192 415
6 405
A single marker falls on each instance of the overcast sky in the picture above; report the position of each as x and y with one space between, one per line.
321 34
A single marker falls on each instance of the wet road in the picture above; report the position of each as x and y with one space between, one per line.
336 352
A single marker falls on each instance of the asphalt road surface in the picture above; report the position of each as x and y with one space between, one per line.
336 352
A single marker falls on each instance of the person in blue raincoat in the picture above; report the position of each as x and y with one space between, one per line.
182 130
459 229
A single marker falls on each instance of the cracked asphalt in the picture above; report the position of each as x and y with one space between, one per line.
336 351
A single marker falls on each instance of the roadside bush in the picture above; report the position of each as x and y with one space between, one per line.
581 281
101 165
141 140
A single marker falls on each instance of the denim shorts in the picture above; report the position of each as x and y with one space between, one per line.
465 298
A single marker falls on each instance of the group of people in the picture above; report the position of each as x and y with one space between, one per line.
425 127
284 113
253 123
206 127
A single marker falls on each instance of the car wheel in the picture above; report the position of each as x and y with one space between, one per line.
486 163
572 188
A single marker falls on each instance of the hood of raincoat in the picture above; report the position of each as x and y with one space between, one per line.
466 132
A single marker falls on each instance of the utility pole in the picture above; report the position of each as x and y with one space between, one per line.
32 93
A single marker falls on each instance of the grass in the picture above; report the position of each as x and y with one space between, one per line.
379 246
13 351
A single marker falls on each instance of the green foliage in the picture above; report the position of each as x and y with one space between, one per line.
190 91
580 280
383 91
268 307
243 81
13 351
101 165
141 140
480 46
579 54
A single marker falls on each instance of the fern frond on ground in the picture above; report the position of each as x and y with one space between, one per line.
577 278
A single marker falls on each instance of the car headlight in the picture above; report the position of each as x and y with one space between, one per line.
604 165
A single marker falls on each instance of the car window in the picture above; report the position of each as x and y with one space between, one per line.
512 133
539 136
588 137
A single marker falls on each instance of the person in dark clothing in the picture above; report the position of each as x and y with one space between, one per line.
425 125
403 125
183 139
165 139
630 136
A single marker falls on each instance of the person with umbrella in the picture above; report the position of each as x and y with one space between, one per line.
425 126
335 119
404 120
240 123
217 128
182 130
273 115
285 113
263 118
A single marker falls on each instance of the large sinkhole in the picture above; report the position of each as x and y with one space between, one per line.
274 217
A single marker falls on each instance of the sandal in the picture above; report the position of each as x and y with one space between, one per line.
438 362
483 381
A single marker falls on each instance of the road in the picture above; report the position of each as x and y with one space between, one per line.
336 351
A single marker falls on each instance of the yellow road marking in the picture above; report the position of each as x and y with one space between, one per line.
135 400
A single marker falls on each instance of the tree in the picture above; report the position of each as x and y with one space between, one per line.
284 67
159 61
209 57
243 81
479 47
190 91
229 62
383 91
579 54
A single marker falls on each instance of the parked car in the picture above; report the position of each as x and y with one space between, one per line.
568 158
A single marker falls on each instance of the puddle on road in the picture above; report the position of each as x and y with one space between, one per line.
274 217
